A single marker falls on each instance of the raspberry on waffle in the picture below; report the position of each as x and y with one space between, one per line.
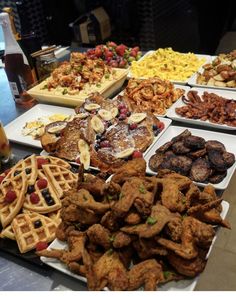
32 228
42 197
12 195
54 161
61 178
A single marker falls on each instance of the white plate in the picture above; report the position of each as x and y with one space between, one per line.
228 140
14 128
185 88
182 285
180 82
174 116
192 81
167 123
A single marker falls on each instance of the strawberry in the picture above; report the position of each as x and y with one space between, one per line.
108 54
136 49
10 196
122 64
137 154
42 183
41 245
120 49
113 63
34 198
41 161
98 52
111 44
133 53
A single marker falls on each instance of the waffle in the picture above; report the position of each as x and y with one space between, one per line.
8 211
8 233
55 161
28 234
61 178
55 216
42 206
29 166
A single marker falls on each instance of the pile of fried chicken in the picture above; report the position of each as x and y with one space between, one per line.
137 231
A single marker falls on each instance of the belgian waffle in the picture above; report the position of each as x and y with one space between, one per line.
55 161
29 166
8 233
55 216
31 228
61 178
45 204
8 211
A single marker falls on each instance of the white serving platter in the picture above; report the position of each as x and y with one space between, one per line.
228 140
192 81
182 285
14 129
130 75
174 116
185 88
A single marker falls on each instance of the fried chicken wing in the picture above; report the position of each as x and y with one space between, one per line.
121 240
147 248
195 234
147 273
99 235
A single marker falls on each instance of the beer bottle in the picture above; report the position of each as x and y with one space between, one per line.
16 65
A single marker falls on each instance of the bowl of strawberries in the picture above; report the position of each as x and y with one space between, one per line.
117 56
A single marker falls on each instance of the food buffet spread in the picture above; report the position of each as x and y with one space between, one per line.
119 197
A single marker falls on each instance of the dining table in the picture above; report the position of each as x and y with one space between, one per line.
28 273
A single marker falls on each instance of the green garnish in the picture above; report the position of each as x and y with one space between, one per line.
166 274
64 92
151 221
110 251
121 195
109 197
112 238
107 75
98 85
142 189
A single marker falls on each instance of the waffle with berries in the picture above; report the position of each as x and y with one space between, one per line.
8 233
43 160
41 197
12 196
29 166
32 228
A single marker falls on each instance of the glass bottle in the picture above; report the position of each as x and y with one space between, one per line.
5 149
45 64
16 65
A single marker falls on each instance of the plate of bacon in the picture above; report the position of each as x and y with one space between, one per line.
206 107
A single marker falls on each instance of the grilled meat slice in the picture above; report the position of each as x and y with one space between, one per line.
181 164
181 136
216 160
229 159
217 177
179 148
194 142
155 161
215 145
200 170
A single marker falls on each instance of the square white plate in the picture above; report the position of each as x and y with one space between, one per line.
167 123
174 116
182 285
192 81
180 82
14 129
185 88
228 140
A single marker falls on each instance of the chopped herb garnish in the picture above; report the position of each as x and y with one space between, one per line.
166 274
107 75
64 92
121 195
142 189
109 197
98 85
110 251
151 221
112 238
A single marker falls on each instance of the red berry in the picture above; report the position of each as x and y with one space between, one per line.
108 55
104 143
42 183
120 49
98 52
41 245
7 171
123 110
41 161
136 49
10 196
121 106
111 44
34 198
133 53
133 126
161 126
137 154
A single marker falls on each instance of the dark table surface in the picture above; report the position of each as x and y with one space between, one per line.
18 273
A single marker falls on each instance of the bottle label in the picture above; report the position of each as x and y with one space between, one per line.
14 88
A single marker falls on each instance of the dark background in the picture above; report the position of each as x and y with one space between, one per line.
185 25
